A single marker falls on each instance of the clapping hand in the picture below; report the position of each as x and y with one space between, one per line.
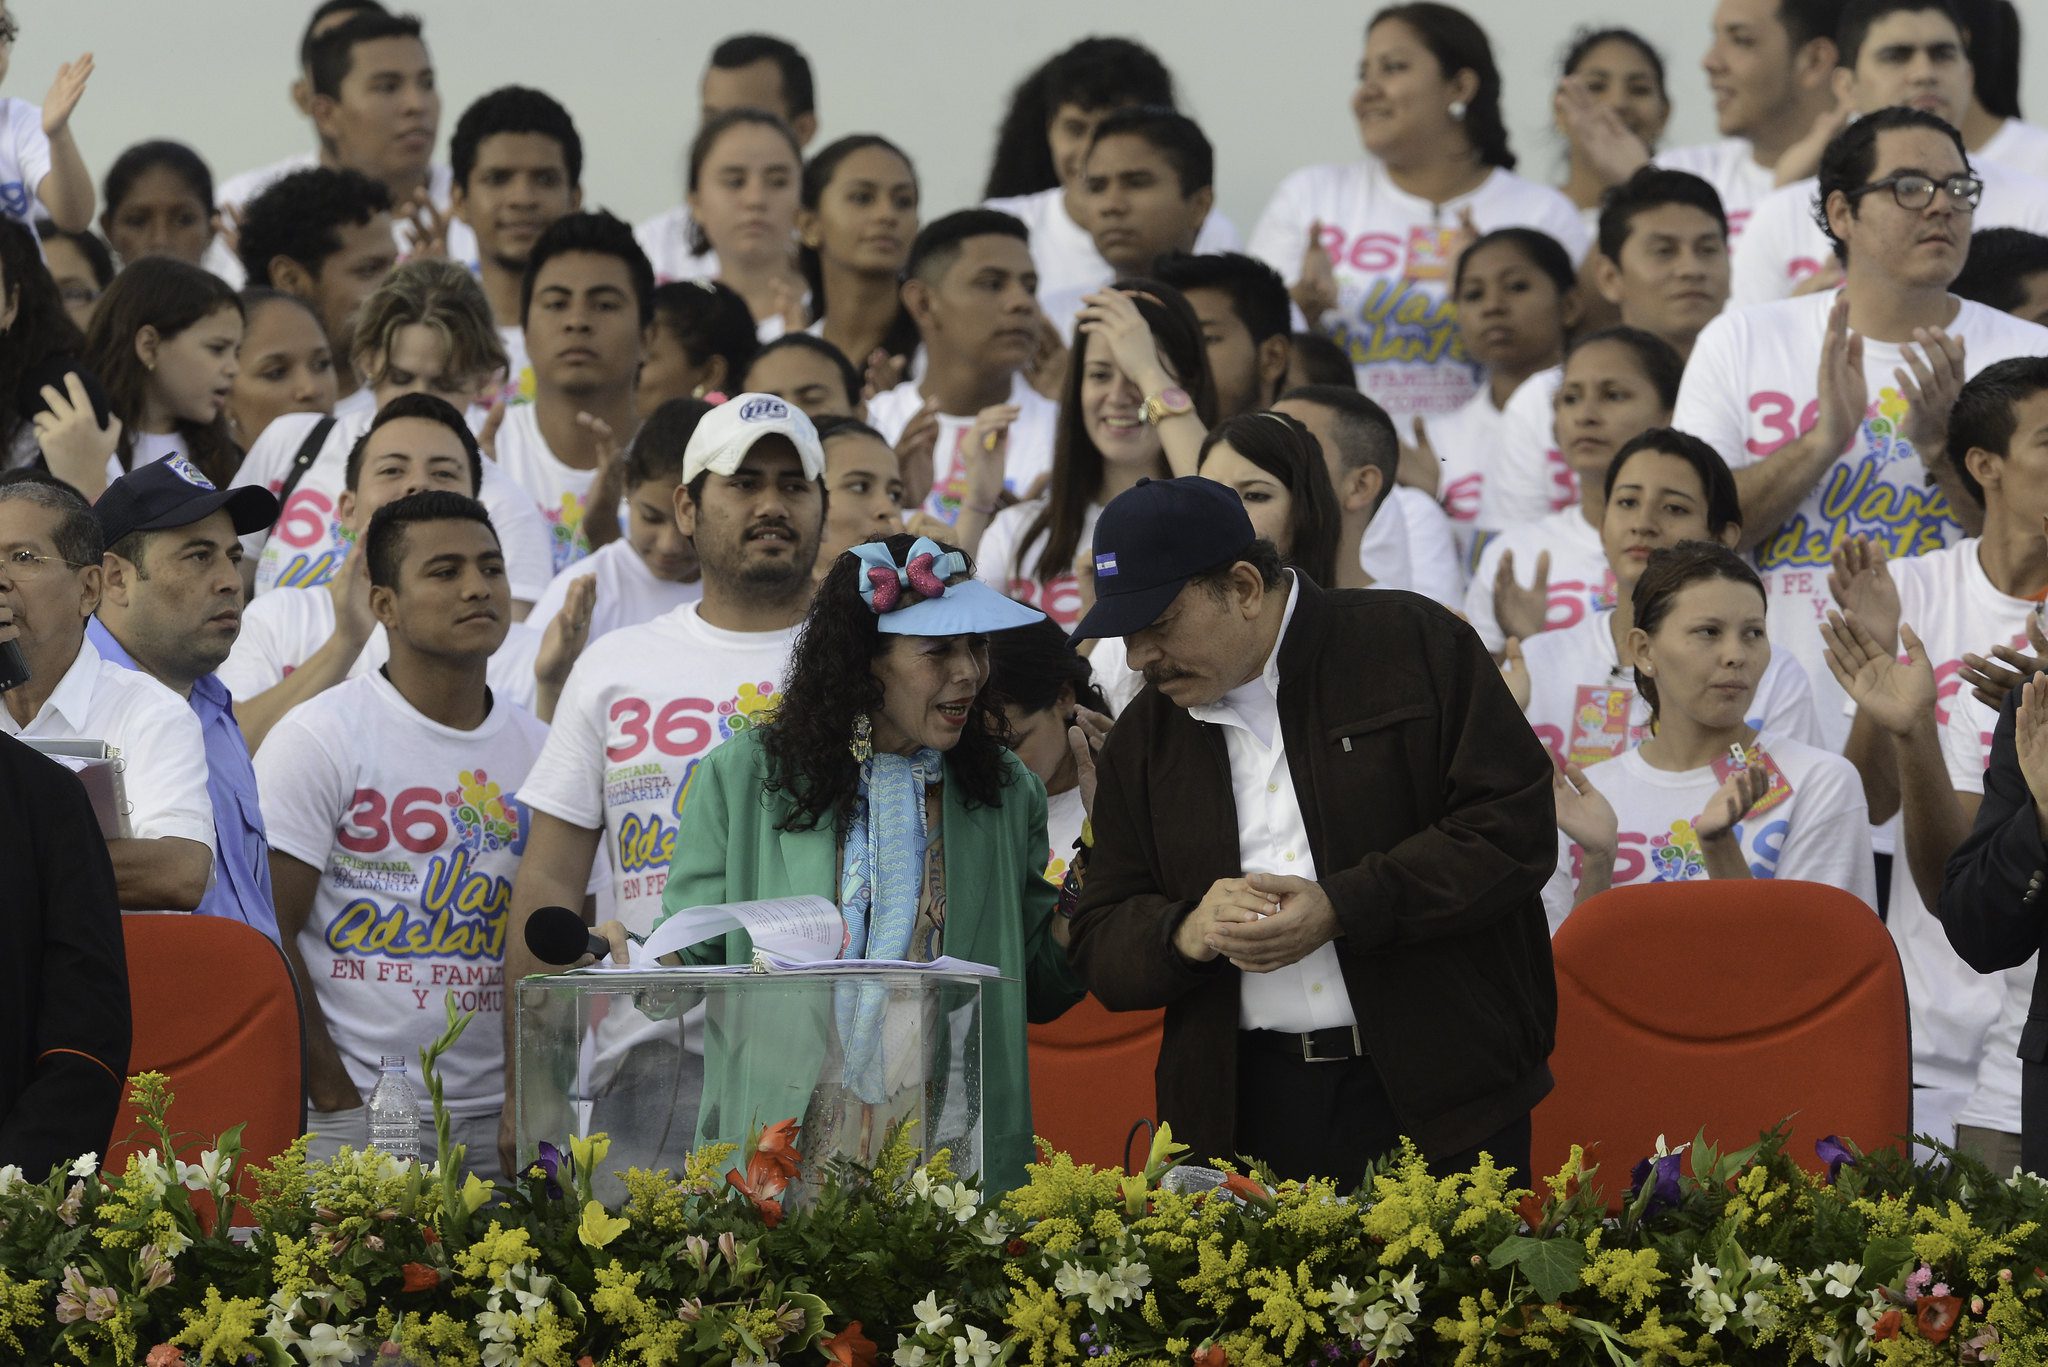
65 92
916 450
74 444
429 227
1315 292
1742 790
2030 737
1896 696
1084 739
1860 580
1521 611
1420 467
1990 681
1596 131
1584 813
1844 392
1930 380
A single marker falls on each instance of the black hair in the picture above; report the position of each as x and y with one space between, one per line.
1077 464
599 234
98 256
1724 507
1586 39
1656 358
1543 251
1258 296
327 9
799 92
708 318
1459 44
1669 571
1029 665
1095 73
1994 29
1285 449
806 341
384 542
900 339
657 448
1262 555
78 536
428 408
1859 15
1322 361
169 296
1365 434
299 218
716 127
259 296
1850 159
1653 187
839 425
1806 20
1995 273
332 53
175 157
42 330
1986 412
513 109
1170 133
938 243
831 681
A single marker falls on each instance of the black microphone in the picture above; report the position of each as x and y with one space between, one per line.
557 935
13 665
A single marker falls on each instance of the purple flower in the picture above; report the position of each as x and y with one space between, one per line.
1836 1154
549 1165
1664 1183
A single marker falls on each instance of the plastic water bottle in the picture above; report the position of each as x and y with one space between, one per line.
395 1112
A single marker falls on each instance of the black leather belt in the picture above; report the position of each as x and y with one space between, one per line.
1336 1044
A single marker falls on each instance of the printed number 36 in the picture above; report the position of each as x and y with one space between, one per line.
414 819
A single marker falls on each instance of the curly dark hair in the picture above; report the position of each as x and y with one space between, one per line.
300 217
831 681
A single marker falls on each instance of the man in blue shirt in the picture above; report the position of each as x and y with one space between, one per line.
171 608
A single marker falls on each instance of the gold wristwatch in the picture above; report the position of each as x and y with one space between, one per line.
1169 402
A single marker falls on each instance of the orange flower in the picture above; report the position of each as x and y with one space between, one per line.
1214 1354
428 1233
1530 1208
1237 1184
770 1209
849 1348
1936 1315
776 1149
1887 1326
420 1277
165 1355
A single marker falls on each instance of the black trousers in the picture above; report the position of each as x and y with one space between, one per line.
1307 1119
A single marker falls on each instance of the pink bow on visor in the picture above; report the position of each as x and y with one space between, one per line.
887 586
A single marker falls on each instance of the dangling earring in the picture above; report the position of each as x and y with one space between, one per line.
863 747
1458 110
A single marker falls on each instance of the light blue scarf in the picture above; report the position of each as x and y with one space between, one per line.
881 878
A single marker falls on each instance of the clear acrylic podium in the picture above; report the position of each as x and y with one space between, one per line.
845 1052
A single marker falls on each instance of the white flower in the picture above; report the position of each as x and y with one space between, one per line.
975 1350
1842 1278
152 1174
1071 1280
9 1176
1714 1308
1700 1281
1762 1267
931 1317
86 1165
207 1173
1758 1312
495 1325
993 1232
328 1344
1342 1296
956 1200
910 1355
1408 1291
1130 1279
175 1242
1837 1354
921 1183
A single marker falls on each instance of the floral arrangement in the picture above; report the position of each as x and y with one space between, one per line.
1714 1258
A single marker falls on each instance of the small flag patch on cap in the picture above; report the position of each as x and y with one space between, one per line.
187 471
1105 565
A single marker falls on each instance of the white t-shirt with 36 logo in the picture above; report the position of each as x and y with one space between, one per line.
1005 565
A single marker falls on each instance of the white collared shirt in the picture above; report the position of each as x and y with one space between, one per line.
1272 837
163 748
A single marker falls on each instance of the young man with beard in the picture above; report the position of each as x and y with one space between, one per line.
646 703
586 303
171 608
518 167
393 838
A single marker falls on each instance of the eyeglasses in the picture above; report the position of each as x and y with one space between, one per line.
1916 192
26 564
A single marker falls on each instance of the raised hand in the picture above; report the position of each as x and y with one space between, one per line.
1896 696
1584 813
1990 680
487 435
349 586
563 641
1802 158
429 227
1860 579
1742 790
2030 737
1113 316
883 373
1047 370
75 446
1597 133
1936 377
1515 670
1420 467
1844 393
916 450
1315 292
1084 739
984 452
1521 611
64 95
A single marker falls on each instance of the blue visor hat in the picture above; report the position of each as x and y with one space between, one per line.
914 599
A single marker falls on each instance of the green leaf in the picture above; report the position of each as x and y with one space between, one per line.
1889 1258
1553 1266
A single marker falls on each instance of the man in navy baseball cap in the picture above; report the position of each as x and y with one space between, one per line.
171 607
1322 822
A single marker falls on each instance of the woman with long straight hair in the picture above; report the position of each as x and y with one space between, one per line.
164 343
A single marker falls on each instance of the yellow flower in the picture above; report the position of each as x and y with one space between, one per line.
598 1228
589 1152
221 1330
1629 1279
475 1192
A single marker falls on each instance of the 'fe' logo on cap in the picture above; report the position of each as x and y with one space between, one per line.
1105 565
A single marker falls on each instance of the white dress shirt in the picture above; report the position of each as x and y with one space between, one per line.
1272 837
163 748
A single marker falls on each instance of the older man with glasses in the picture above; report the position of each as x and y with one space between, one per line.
50 584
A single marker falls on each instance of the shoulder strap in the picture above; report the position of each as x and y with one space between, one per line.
308 452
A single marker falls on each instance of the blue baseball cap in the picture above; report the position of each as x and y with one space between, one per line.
172 493
1152 539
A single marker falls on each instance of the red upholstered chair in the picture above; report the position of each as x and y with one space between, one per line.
1091 1080
1728 1007
217 1012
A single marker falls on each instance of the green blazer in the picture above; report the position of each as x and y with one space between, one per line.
998 911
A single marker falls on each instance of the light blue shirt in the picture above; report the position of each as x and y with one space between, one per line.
241 885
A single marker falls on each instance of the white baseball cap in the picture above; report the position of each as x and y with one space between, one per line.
725 435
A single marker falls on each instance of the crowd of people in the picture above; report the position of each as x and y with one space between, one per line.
419 534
